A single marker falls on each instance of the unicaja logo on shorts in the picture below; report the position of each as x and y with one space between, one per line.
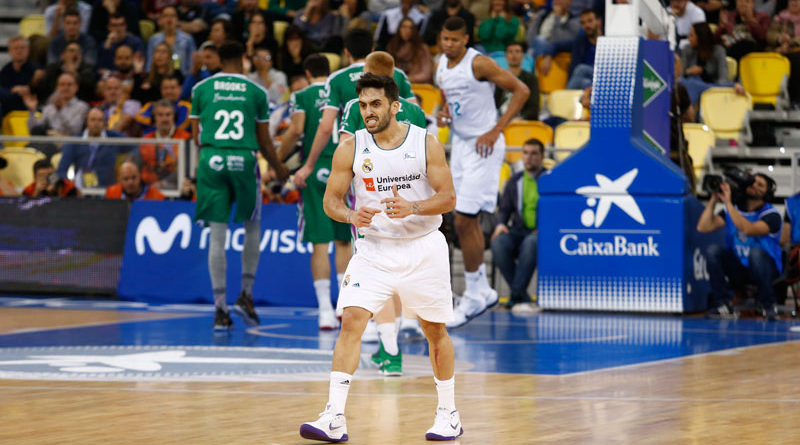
606 193
366 167
216 163
160 242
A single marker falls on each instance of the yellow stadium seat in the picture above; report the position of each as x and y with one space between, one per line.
55 160
570 136
20 164
146 28
505 173
16 124
279 29
733 68
444 135
517 132
762 75
700 139
32 24
334 60
566 104
520 37
430 97
724 111
556 79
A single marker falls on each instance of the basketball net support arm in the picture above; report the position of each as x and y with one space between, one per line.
622 19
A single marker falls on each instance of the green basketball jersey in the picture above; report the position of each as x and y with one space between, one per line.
340 87
228 106
310 101
409 113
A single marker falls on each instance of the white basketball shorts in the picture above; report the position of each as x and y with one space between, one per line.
475 178
417 269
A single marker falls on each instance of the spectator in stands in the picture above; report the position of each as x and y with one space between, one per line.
162 66
159 162
705 64
205 63
119 111
128 69
241 18
499 29
294 50
436 20
267 76
193 19
515 51
581 67
72 33
351 10
288 8
550 25
752 246
170 91
17 75
102 13
7 189
686 14
181 43
742 30
94 163
152 9
47 183
63 115
515 236
54 16
117 36
321 26
389 23
221 30
260 35
712 9
410 53
783 35
130 186
72 61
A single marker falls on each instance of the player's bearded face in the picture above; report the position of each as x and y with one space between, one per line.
375 110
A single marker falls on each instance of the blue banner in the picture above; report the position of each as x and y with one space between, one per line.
166 257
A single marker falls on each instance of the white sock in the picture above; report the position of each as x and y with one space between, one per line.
337 396
483 281
472 283
398 322
387 332
323 290
339 279
446 389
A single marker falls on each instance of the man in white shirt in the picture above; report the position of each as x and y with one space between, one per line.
686 14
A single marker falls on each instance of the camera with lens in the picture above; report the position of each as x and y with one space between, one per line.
738 180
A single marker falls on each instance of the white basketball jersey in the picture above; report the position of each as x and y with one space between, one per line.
471 101
376 170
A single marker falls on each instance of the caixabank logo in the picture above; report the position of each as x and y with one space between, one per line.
594 239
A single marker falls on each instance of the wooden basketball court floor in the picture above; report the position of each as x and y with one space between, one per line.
76 371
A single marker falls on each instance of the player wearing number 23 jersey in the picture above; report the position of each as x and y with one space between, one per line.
228 107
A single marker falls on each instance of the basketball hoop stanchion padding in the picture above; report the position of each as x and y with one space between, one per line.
616 221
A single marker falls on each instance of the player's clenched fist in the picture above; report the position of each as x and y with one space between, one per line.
362 217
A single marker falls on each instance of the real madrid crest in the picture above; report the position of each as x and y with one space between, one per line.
366 167
346 280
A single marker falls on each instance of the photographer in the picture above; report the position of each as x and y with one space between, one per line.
47 183
752 251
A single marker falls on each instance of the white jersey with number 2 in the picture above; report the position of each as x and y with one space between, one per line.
471 101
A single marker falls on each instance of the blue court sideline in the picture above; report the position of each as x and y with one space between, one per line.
545 344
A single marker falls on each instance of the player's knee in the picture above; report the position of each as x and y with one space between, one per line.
434 332
464 221
354 320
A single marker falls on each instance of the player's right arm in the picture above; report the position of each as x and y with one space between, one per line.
339 181
268 150
321 139
292 134
195 131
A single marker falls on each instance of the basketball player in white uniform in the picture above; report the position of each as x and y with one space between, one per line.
402 186
467 80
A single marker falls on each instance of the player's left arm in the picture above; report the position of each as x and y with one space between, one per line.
195 131
443 201
267 150
486 68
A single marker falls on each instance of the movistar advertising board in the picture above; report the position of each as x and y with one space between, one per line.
166 257
616 222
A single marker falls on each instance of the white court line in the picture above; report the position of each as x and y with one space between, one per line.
411 395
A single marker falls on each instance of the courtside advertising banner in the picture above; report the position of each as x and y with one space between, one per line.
166 257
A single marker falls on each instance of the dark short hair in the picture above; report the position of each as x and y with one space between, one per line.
117 15
231 51
170 77
358 43
590 11
536 142
379 82
455 23
41 164
72 11
522 45
317 64
226 25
